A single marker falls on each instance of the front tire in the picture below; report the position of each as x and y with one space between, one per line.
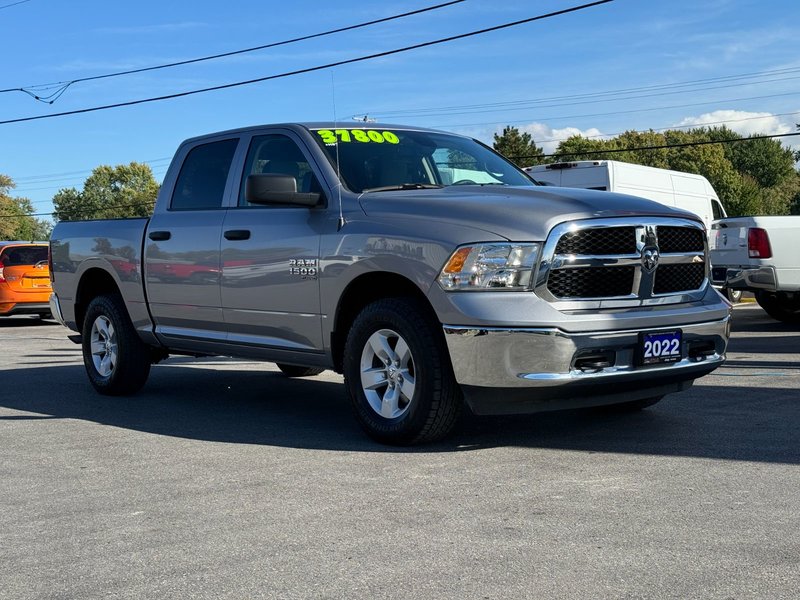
398 374
116 360
780 306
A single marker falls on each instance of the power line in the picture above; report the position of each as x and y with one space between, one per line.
593 152
316 68
591 100
29 179
81 211
48 177
62 86
691 125
662 147
589 95
617 112
13 4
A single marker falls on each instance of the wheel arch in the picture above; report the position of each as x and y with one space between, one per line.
93 282
360 292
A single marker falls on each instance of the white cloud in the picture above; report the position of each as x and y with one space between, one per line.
548 137
743 122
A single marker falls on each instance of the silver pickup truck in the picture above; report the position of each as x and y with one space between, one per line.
422 265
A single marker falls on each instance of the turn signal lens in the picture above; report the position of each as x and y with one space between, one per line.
500 266
456 262
2 279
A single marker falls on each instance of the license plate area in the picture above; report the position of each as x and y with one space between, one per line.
660 347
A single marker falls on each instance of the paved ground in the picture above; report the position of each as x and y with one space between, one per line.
225 480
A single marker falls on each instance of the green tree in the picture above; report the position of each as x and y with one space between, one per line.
751 177
109 193
16 222
577 147
518 147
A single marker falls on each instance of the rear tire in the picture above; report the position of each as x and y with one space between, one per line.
631 406
116 360
780 306
398 374
296 371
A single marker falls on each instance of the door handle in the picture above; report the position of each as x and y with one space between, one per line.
159 236
237 234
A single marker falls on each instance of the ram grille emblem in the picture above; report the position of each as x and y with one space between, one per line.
649 259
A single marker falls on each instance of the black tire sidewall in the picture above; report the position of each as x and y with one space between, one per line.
779 307
428 364
133 364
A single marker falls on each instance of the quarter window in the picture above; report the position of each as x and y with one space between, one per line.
201 182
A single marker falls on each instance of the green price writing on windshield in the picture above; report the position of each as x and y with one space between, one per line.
357 135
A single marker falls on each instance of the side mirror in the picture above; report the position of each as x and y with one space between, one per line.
268 188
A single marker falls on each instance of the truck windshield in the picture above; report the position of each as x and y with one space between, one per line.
374 160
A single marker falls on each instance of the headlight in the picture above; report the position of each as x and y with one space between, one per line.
498 266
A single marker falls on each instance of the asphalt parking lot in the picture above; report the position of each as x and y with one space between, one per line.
223 479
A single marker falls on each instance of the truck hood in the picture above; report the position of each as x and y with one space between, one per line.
516 213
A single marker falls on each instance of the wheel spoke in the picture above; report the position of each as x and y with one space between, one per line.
374 378
390 402
408 386
98 347
402 352
380 346
102 328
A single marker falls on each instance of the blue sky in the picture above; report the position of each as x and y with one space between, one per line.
472 86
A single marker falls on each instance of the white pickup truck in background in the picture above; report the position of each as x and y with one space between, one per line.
761 255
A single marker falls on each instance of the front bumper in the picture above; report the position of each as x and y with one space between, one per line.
521 370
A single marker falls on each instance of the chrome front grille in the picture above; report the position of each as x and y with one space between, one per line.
643 260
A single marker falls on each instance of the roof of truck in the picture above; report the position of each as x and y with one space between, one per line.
323 125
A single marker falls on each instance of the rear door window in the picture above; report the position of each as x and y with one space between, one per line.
201 182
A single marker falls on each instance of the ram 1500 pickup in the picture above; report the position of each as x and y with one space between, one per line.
760 255
422 265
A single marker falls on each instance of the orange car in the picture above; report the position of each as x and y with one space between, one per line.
24 279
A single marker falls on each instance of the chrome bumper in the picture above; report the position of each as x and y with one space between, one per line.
509 370
759 278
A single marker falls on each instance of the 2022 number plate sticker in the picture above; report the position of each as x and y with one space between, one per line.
661 347
357 136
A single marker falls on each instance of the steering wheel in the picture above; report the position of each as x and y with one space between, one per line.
464 182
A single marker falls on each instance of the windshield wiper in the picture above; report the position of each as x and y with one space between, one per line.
404 186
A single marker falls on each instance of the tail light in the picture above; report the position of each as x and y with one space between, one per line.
50 264
2 279
758 243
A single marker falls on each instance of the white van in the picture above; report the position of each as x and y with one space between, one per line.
686 191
